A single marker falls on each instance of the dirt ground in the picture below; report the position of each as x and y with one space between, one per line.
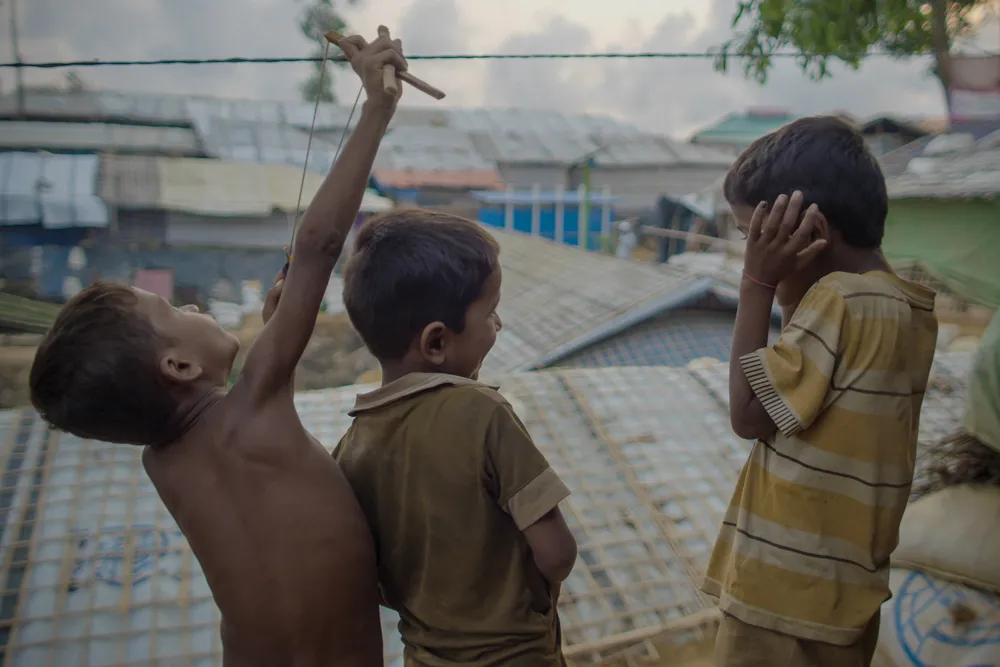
335 357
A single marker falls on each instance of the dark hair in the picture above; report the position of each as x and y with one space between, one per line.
828 161
413 267
96 374
959 459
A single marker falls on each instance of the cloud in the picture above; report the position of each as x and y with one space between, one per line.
670 96
678 96
438 27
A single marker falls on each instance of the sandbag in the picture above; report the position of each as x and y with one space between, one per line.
930 622
954 534
982 403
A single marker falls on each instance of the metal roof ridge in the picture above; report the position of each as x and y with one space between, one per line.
658 305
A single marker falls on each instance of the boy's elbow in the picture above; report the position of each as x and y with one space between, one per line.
556 563
751 424
326 241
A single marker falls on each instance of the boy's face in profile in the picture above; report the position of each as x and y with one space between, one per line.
480 333
199 348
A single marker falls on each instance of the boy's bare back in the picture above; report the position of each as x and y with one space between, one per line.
281 538
278 531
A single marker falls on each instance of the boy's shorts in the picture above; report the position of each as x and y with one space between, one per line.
739 644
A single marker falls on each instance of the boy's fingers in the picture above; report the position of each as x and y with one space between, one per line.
800 238
393 58
756 221
398 45
770 228
791 217
352 45
278 276
804 257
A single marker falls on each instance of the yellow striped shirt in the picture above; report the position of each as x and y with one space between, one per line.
805 544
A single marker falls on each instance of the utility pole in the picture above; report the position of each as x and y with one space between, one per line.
18 72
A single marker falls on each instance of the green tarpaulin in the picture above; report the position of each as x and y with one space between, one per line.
956 241
982 405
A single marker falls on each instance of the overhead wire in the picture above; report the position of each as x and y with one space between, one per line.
648 55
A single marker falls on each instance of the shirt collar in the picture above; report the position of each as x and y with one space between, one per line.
409 385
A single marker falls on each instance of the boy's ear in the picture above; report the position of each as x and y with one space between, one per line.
177 368
821 228
434 342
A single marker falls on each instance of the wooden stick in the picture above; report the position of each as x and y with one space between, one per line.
633 637
389 84
334 37
420 85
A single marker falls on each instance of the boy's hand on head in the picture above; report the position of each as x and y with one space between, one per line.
368 61
777 244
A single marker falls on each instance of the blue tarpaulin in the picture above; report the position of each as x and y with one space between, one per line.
54 191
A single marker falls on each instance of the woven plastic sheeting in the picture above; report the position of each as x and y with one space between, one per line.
94 572
553 294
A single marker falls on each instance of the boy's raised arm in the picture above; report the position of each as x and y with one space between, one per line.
320 238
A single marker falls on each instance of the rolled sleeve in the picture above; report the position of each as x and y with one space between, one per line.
792 378
524 484
539 497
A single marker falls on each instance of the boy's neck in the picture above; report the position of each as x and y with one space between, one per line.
192 408
857 260
393 370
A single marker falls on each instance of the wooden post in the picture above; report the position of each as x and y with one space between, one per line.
508 209
582 213
560 232
606 215
536 210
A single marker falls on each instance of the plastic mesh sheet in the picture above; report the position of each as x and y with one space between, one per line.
95 573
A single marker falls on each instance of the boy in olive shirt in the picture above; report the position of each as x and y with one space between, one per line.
471 544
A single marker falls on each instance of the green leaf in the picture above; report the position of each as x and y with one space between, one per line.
844 30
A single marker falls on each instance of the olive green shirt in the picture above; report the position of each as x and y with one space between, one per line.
448 477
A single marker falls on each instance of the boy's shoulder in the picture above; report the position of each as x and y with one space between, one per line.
473 399
447 394
849 286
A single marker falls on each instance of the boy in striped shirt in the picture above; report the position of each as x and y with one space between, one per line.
801 566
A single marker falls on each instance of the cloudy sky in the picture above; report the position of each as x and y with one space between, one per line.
674 97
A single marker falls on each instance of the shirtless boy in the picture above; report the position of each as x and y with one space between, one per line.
282 540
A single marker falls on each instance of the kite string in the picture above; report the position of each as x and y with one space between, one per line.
312 131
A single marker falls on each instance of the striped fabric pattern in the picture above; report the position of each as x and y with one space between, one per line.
805 544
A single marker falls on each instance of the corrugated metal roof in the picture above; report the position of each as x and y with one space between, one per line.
98 137
223 188
744 127
674 338
975 174
558 299
417 178
427 139
650 479
526 198
430 149
131 181
55 191
269 143
215 187
532 121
